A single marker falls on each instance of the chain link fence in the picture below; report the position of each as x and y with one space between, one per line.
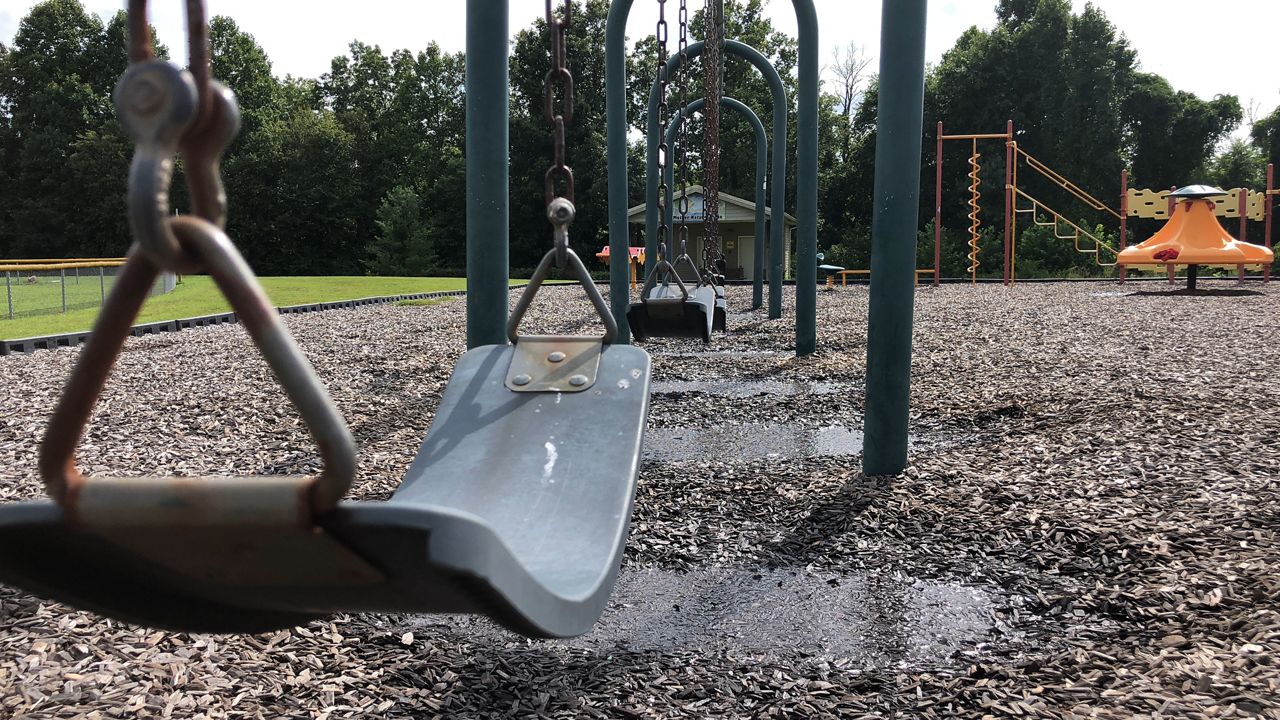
45 287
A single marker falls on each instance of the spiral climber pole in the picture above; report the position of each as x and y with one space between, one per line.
975 224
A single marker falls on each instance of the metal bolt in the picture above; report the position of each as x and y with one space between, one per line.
561 211
556 357
522 380
578 380
145 97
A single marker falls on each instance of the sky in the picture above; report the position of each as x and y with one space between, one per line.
1198 48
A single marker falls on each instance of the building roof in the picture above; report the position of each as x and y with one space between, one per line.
731 202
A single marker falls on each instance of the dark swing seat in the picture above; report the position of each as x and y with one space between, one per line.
669 308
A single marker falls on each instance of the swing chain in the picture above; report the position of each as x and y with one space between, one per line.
560 209
661 35
682 204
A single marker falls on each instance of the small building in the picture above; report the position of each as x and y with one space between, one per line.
737 231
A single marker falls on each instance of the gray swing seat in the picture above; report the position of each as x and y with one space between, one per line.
517 506
670 309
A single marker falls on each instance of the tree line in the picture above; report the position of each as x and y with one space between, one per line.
362 170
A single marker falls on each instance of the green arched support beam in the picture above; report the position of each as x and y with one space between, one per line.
807 165
762 169
777 230
893 236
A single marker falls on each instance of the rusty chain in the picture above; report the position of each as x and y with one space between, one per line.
682 203
661 35
560 207
169 111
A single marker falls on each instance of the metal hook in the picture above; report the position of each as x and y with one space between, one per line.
561 214
166 110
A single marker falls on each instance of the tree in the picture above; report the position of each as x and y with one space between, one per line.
242 65
404 115
1070 83
8 152
851 68
1240 165
1172 134
290 184
64 163
404 245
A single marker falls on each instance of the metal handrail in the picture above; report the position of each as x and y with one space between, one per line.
1036 206
1066 184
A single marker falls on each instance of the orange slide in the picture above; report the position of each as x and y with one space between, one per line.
1193 236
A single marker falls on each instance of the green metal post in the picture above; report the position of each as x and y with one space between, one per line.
488 170
777 225
807 180
62 281
8 291
762 169
893 235
615 74
102 285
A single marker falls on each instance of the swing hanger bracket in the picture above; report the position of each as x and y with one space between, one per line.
554 363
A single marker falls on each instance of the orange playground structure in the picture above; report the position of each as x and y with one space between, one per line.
637 260
1193 237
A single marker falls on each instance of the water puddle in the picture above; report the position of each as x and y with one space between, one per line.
871 619
745 443
743 388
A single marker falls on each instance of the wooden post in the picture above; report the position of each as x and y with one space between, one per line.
1124 217
1009 159
937 215
1266 232
1244 228
1173 204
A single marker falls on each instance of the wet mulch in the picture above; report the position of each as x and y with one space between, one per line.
1088 527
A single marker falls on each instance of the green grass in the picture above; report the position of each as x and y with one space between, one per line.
41 293
197 295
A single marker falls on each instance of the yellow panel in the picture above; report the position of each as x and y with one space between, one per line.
1228 205
1149 204
1154 204
1257 205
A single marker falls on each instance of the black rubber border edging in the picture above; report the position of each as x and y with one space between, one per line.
22 346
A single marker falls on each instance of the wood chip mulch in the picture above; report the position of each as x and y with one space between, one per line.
1100 466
